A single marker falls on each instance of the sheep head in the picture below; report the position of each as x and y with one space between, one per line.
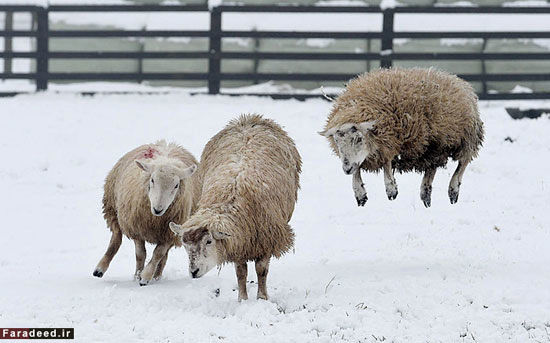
164 183
201 246
351 140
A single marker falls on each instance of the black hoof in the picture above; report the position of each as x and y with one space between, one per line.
453 196
98 273
143 282
426 196
427 202
362 201
392 196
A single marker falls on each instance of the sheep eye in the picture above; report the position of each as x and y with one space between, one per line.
177 185
209 242
353 129
152 181
341 134
359 140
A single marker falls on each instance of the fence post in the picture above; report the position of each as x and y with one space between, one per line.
8 40
386 48
42 26
483 68
214 59
256 59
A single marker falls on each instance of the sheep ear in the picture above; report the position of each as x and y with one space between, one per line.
220 235
366 126
177 229
146 167
328 132
187 172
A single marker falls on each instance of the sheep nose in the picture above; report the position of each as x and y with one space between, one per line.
157 212
194 273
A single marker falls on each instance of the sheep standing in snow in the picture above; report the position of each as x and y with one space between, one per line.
404 120
148 188
250 176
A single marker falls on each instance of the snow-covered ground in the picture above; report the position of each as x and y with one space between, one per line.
477 271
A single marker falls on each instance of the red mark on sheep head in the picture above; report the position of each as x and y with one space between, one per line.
149 153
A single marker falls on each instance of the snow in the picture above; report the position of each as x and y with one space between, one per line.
317 42
476 271
341 3
460 41
489 22
385 4
526 3
521 89
456 4
66 2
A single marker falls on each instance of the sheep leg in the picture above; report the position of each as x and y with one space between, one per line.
158 254
160 267
262 268
426 187
242 273
389 181
456 180
141 254
359 189
114 244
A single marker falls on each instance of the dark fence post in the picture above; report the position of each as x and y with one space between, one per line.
483 68
42 27
256 59
386 48
214 51
8 42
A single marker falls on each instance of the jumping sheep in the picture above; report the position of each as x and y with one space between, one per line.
148 188
250 176
405 120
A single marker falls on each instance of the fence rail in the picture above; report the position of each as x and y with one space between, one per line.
214 55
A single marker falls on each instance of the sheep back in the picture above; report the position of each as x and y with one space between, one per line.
423 116
250 180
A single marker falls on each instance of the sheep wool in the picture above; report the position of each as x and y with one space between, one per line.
405 120
250 175
127 209
422 116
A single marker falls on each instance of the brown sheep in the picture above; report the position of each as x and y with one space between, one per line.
250 176
148 188
405 120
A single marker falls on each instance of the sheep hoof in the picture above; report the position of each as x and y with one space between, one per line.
98 273
143 282
426 195
453 196
362 200
392 194
427 202
262 296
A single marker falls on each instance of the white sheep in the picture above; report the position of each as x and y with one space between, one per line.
404 120
147 188
250 175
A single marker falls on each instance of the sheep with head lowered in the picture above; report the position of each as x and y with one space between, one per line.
249 173
148 188
405 120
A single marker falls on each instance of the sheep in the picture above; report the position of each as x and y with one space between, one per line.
405 120
146 189
250 175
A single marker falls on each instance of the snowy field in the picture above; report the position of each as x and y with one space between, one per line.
477 271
